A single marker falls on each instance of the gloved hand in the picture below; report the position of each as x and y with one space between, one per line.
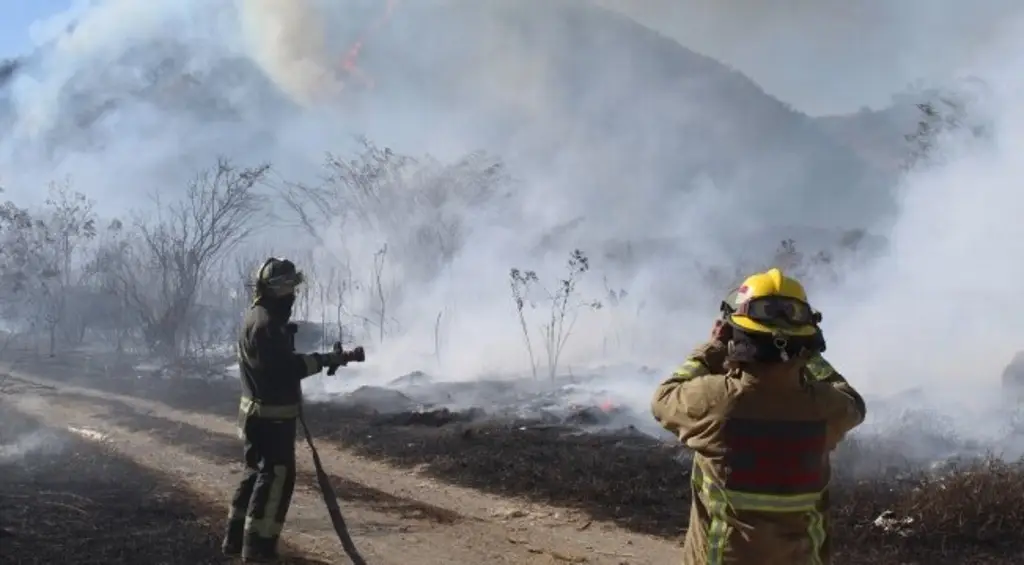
721 331
338 357
333 359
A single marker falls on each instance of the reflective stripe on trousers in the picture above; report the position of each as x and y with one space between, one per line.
719 500
269 526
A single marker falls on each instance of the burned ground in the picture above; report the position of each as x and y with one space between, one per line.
971 514
67 500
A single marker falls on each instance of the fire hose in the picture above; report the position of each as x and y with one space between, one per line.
326 490
331 500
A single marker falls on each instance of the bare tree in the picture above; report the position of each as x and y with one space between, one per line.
243 280
20 260
27 271
565 310
70 224
418 205
302 309
108 310
379 259
519 283
343 286
614 298
337 291
176 252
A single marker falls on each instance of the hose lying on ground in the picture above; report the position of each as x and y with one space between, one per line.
331 500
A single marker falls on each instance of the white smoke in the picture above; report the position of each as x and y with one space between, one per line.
288 41
454 76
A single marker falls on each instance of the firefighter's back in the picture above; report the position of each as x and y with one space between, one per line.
760 472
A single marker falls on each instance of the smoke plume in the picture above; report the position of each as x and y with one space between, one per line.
288 41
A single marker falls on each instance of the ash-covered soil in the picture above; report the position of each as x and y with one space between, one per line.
887 508
68 500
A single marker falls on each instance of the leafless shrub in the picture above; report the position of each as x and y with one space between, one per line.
563 308
519 283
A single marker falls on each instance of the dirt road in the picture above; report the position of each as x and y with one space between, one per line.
396 516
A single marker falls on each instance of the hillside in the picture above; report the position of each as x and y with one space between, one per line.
876 135
879 136
158 77
567 86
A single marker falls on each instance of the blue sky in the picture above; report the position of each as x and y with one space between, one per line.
15 18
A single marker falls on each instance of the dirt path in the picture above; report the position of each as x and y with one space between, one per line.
64 499
397 517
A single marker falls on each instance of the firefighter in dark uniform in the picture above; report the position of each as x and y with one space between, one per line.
761 425
271 374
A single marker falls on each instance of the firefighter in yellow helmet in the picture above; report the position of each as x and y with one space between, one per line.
710 357
761 429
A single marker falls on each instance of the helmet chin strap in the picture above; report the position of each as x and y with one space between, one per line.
745 346
780 342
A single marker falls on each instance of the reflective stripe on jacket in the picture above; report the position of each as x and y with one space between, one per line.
257 409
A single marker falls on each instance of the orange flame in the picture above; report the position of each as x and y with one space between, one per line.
349 63
607 406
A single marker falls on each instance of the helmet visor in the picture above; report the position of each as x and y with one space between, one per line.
283 285
778 311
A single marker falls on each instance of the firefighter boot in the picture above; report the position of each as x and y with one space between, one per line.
232 544
259 549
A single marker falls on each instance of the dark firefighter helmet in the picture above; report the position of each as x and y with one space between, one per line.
278 277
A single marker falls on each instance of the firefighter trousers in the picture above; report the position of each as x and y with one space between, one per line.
261 501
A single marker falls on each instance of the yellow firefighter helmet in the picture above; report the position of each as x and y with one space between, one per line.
772 303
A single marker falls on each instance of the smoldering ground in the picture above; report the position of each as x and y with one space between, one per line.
662 166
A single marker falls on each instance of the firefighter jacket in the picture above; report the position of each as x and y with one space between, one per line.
761 462
270 370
